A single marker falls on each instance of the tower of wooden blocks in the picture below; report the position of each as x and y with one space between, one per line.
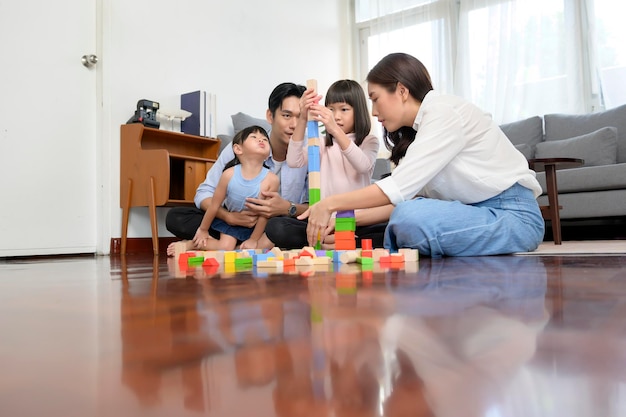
345 226
313 153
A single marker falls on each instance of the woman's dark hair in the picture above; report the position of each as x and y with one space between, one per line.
401 68
240 139
281 92
350 92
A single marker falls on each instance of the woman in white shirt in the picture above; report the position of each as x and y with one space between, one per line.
460 188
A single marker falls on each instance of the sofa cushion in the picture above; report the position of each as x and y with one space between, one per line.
224 141
242 120
596 148
598 178
526 150
562 126
528 131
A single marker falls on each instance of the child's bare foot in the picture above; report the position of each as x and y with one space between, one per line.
176 248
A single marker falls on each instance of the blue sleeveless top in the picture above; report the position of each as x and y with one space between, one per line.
240 188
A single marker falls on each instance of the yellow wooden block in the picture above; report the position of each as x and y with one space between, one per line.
230 256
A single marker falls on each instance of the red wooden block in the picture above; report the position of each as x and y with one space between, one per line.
183 258
305 252
210 262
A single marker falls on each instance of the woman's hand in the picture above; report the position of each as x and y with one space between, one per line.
319 220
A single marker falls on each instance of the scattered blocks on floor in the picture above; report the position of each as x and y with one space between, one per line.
308 257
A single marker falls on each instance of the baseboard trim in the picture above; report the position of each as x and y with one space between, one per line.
140 245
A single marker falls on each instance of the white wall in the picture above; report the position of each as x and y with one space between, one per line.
238 50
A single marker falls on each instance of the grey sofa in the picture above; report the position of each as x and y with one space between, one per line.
598 188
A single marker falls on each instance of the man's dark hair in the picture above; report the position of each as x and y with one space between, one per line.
281 92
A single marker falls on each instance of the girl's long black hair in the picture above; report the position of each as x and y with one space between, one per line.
350 92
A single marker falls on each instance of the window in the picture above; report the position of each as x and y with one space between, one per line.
610 33
513 58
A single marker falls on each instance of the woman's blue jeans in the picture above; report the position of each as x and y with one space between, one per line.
509 222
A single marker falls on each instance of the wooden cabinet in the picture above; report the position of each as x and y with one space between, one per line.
160 168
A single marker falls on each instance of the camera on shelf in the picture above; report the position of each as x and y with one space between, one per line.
146 114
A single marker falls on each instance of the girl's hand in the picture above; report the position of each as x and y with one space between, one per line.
308 99
249 244
201 238
325 115
319 220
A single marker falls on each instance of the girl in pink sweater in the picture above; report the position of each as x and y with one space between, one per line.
349 152
347 158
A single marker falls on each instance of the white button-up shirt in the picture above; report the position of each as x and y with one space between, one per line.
459 154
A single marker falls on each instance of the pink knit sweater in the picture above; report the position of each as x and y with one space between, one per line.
340 171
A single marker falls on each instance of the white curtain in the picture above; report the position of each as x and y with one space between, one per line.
427 31
521 58
513 58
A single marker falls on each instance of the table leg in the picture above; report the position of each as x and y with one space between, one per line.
125 214
553 201
153 218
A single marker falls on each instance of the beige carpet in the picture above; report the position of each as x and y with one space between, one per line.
584 247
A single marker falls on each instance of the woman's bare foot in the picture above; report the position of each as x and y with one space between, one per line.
179 247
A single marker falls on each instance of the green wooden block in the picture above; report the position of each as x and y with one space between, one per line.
367 266
345 224
243 261
365 261
314 196
346 290
195 260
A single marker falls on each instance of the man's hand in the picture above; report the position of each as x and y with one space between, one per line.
245 218
272 204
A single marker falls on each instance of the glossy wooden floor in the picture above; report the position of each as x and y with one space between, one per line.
458 337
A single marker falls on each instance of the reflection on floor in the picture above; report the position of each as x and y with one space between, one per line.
487 336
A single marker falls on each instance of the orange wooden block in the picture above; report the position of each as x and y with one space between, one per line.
366 244
344 234
397 258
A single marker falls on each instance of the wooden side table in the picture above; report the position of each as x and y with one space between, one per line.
550 166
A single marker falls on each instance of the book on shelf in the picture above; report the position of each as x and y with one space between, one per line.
202 107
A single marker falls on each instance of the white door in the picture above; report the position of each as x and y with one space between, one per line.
47 127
